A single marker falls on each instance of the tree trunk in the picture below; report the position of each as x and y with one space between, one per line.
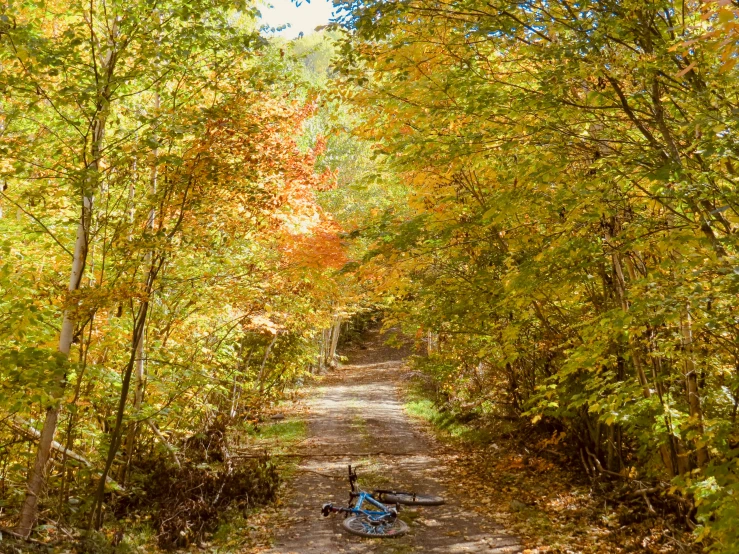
335 330
243 366
138 392
323 354
264 363
677 452
138 397
96 516
691 378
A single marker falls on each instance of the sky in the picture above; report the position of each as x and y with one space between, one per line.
304 18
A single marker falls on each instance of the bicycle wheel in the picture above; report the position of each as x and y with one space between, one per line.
362 526
412 499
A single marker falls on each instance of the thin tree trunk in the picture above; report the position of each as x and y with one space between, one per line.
264 363
611 449
323 352
237 388
321 346
138 397
335 330
326 346
84 351
138 393
694 400
96 516
680 460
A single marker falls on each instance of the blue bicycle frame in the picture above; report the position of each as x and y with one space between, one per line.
372 515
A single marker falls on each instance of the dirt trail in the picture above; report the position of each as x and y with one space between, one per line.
355 414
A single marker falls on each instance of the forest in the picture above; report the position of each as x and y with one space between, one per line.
198 218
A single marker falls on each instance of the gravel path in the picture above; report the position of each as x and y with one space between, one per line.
357 418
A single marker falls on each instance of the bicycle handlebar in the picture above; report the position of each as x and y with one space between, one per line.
328 509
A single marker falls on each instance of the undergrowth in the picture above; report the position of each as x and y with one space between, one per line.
529 479
213 498
185 504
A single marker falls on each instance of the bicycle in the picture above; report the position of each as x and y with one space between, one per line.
382 521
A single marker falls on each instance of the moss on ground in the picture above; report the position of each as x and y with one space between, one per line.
286 430
444 422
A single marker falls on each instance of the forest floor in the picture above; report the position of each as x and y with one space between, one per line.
357 416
